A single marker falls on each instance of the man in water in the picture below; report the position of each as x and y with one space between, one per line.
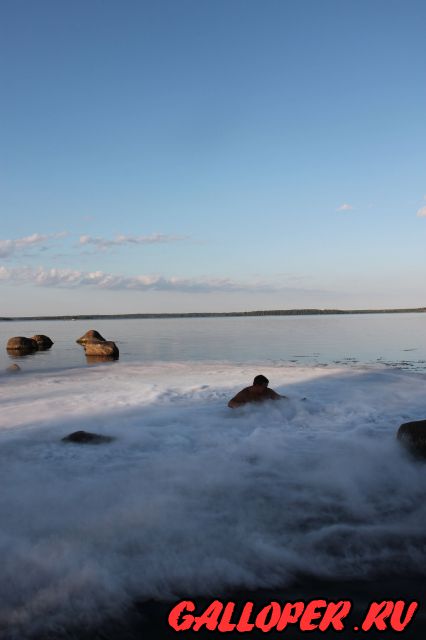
258 392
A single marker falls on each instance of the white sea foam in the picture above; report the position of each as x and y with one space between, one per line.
193 497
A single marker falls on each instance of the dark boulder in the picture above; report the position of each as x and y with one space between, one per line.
85 437
21 346
43 342
413 436
90 336
104 349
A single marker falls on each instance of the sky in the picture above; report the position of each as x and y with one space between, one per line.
211 155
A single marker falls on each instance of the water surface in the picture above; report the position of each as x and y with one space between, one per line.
192 498
387 338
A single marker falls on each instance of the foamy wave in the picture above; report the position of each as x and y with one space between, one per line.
193 497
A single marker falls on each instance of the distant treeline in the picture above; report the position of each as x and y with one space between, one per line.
229 314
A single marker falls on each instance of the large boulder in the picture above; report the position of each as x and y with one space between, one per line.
85 437
90 336
413 436
103 349
21 346
43 342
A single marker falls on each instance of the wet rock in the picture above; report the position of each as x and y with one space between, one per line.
104 349
43 342
21 346
413 436
85 437
90 336
14 368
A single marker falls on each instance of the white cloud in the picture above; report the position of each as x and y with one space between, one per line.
104 243
421 213
345 207
9 247
69 278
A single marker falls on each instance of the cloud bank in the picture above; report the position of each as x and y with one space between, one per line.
9 247
70 278
421 213
120 240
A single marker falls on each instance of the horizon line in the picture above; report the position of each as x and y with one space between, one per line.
213 314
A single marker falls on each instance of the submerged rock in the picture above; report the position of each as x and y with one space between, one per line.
14 368
43 342
90 336
21 345
104 349
85 437
413 436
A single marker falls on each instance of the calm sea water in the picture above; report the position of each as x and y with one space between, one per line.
394 339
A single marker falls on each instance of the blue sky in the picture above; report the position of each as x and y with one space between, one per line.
211 155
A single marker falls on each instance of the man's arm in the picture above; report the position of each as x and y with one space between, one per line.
273 395
238 400
233 404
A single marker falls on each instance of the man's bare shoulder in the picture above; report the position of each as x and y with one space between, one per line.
244 395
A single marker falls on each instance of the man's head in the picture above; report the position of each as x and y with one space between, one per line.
260 381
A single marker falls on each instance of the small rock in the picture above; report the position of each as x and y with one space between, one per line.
85 437
413 436
14 368
90 336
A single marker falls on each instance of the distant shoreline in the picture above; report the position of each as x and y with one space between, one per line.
218 314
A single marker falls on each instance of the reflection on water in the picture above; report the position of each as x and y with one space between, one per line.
93 360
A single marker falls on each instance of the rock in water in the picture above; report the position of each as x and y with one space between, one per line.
90 336
14 368
85 437
21 345
43 342
413 436
104 349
